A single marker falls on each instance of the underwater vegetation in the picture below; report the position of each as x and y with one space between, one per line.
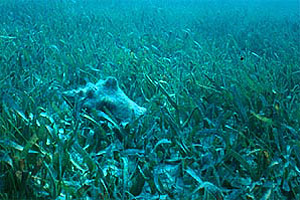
220 82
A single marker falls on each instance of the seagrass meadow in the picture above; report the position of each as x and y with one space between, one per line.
220 81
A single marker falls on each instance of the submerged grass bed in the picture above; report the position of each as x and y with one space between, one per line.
221 86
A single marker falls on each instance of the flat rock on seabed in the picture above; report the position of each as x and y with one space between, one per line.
104 96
